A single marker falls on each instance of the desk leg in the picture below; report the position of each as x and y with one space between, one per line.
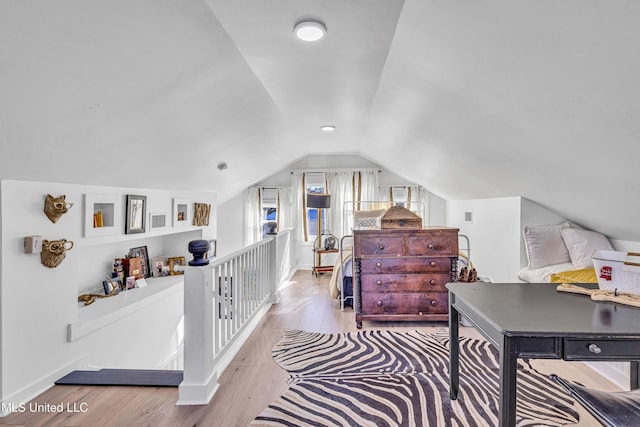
508 376
454 352
634 375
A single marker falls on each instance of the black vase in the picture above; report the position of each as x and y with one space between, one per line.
198 248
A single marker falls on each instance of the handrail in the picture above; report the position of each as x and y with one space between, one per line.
223 303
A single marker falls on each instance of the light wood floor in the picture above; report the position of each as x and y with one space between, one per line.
250 382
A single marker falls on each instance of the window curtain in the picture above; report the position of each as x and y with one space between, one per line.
284 208
349 186
252 216
418 196
298 206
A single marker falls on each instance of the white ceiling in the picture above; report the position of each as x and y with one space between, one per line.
472 99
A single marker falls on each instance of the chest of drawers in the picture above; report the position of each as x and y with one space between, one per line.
401 274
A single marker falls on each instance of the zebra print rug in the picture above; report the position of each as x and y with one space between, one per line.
387 378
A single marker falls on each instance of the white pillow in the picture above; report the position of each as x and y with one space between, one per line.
582 244
544 245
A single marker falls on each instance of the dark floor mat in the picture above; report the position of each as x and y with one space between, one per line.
124 377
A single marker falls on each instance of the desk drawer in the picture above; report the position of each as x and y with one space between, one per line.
601 349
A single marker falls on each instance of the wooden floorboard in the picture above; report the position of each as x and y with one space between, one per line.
250 382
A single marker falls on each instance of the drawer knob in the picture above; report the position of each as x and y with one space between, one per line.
379 303
430 246
379 282
434 303
432 281
432 263
381 246
594 349
378 264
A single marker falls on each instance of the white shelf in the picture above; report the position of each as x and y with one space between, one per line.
105 311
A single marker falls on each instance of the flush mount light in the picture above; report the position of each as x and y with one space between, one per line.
222 166
328 128
309 31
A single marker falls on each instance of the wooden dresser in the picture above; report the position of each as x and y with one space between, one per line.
401 274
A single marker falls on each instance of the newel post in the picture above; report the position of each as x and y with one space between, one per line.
200 378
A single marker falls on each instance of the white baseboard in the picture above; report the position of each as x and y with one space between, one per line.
15 400
610 372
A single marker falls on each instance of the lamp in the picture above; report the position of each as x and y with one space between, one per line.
318 202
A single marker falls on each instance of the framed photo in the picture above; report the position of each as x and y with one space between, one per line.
141 252
131 282
181 212
136 214
175 262
159 266
211 253
112 285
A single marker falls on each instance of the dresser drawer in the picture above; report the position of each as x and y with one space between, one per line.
405 282
600 349
432 245
381 245
400 303
405 265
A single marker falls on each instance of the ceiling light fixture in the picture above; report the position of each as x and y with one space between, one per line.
309 31
222 166
328 128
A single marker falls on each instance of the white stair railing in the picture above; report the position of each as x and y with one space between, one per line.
223 302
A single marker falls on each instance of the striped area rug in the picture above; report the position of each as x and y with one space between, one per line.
387 378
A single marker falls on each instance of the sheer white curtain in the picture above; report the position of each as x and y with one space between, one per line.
349 186
420 195
298 217
284 208
252 216
340 186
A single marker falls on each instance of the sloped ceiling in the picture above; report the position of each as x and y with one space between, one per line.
472 99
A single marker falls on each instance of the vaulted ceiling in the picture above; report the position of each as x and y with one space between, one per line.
472 99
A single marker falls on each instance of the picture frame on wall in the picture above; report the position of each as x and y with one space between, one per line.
136 214
181 212
142 253
178 261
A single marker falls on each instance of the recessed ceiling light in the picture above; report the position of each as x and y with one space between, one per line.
309 31
328 128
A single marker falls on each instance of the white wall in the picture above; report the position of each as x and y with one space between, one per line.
494 234
231 227
38 303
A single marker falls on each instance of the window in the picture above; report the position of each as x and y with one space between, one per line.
269 211
315 184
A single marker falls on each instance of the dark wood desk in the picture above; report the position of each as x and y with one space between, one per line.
533 320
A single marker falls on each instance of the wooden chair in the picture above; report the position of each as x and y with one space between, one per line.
611 409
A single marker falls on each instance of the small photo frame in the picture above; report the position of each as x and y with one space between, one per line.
211 253
158 221
112 286
176 262
136 214
142 253
181 212
131 282
159 266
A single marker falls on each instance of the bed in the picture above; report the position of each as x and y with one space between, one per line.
561 253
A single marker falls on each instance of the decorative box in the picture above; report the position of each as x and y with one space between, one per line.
400 217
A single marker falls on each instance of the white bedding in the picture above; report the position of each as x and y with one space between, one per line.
543 274
340 270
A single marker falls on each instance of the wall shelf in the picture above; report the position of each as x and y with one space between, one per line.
108 311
